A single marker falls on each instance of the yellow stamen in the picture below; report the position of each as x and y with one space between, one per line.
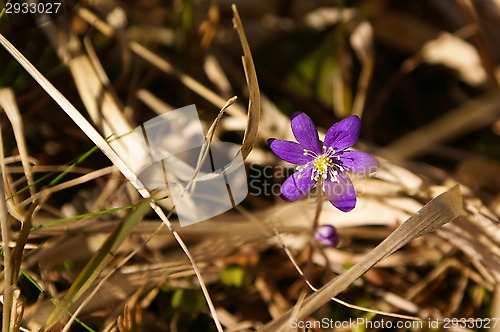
321 165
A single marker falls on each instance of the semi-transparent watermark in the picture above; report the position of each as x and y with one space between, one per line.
267 181
389 324
170 151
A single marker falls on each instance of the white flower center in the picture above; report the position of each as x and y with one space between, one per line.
323 165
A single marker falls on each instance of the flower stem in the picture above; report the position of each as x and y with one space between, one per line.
309 266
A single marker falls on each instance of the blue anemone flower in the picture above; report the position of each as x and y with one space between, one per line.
323 163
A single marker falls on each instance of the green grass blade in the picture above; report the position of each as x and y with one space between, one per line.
80 216
78 161
50 297
3 9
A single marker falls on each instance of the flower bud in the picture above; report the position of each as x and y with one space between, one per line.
327 235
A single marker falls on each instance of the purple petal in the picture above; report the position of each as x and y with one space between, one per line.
305 132
343 134
327 234
298 185
289 151
341 194
358 162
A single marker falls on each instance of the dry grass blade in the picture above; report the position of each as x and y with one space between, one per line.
17 311
8 103
16 260
22 239
482 44
68 184
362 42
296 309
467 117
98 98
208 139
154 103
442 209
346 304
7 272
217 76
8 286
253 86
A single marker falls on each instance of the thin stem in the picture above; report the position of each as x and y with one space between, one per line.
309 266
